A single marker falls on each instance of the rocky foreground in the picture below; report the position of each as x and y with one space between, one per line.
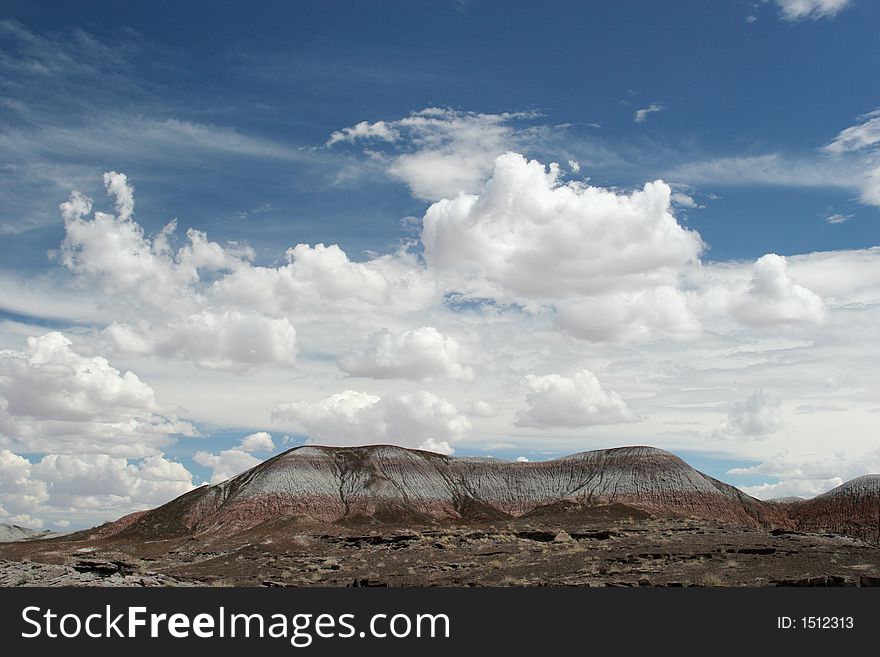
383 515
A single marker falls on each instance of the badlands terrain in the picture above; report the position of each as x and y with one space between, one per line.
382 515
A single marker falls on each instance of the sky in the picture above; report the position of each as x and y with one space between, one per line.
477 228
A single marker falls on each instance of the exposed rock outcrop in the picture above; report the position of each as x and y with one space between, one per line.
393 485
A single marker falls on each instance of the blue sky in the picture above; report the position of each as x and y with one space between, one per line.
222 116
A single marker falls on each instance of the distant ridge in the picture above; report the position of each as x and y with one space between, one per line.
9 533
853 508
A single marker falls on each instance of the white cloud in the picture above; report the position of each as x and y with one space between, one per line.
357 418
805 475
758 416
857 137
770 169
683 200
531 236
365 130
774 298
420 354
797 10
521 459
20 493
805 488
93 487
53 399
231 462
118 186
103 482
216 309
642 115
838 218
323 276
440 151
629 316
232 340
578 401
261 441
441 447
871 189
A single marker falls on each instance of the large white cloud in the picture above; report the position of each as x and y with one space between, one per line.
230 462
53 399
415 419
577 401
530 235
421 354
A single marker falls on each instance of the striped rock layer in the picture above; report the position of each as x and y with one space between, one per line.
398 486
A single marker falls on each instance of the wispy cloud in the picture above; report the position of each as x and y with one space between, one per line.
642 115
798 10
770 169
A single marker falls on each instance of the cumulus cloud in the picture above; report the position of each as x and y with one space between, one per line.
642 115
216 308
413 419
231 462
20 493
757 416
420 354
576 401
528 234
774 298
440 151
441 447
797 10
54 399
95 487
261 441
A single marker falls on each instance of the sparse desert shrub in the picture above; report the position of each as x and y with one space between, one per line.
711 579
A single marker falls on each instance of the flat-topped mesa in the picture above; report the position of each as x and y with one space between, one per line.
853 508
394 485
